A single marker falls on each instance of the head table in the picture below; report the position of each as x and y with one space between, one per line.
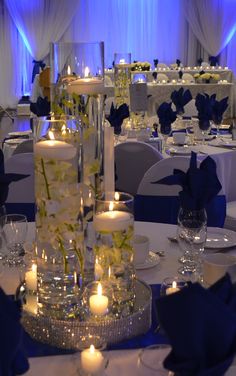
120 361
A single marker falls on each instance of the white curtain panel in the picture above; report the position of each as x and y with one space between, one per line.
213 22
41 21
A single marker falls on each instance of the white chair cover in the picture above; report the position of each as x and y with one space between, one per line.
21 191
132 160
161 77
162 65
25 147
188 77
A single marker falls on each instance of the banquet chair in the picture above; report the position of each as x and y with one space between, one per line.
188 77
132 160
25 147
162 65
21 196
162 77
160 202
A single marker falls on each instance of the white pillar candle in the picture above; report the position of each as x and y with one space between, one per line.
91 360
54 149
98 303
172 289
109 163
113 220
31 278
31 305
87 85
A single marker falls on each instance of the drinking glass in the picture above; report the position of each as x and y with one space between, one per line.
165 131
191 232
150 360
205 126
14 234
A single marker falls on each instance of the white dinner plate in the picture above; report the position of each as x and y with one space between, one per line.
152 260
14 141
22 133
220 238
228 144
181 150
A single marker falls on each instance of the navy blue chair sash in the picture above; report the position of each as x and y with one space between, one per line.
164 209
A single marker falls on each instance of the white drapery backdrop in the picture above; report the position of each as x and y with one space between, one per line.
148 29
213 22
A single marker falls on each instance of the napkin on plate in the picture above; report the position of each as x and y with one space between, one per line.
199 61
180 98
166 116
6 179
218 108
12 358
117 115
201 327
180 75
199 185
155 61
178 62
203 104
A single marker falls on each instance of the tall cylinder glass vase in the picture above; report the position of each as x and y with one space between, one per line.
122 78
59 216
78 87
114 225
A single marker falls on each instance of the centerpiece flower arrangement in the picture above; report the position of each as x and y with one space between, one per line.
141 66
206 77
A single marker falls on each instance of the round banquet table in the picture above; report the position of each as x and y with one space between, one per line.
120 361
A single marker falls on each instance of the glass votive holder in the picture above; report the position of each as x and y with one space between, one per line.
171 285
98 300
151 358
90 362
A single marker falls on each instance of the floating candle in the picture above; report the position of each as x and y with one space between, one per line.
98 303
172 289
55 149
91 360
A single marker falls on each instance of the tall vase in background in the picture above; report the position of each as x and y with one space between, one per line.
122 78
59 216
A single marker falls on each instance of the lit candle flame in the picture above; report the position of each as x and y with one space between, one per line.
117 196
51 135
63 130
92 349
99 289
174 284
86 71
34 268
69 70
111 206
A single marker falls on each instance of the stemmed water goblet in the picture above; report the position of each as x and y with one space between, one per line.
165 130
191 233
14 235
205 126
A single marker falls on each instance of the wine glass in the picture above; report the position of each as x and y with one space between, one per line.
205 126
165 130
191 232
14 235
150 360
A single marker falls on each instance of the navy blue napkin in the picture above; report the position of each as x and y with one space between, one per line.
199 185
178 62
203 104
117 115
12 358
214 60
154 75
166 116
201 327
180 75
155 61
6 179
218 108
199 61
180 98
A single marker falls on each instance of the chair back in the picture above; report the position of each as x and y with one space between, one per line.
160 202
188 77
132 160
162 77
25 147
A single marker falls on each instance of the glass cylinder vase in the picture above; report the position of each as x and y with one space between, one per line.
114 226
59 215
122 78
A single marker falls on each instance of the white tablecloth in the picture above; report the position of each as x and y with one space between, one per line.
121 362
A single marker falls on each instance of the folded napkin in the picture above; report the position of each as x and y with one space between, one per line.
166 116
201 327
154 75
178 62
199 61
213 60
6 179
199 185
218 108
12 358
155 61
180 75
117 115
180 98
204 107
